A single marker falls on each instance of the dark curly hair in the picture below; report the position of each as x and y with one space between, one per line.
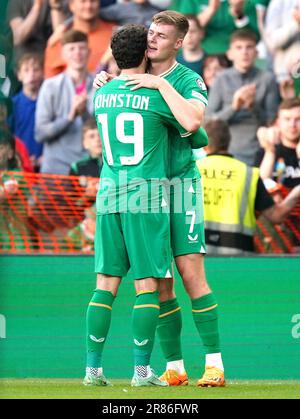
128 46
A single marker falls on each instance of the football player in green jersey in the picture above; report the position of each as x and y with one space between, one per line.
185 93
133 226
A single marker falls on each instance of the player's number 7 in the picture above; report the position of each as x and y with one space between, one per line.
193 219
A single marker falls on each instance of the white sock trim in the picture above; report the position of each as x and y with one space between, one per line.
176 366
214 360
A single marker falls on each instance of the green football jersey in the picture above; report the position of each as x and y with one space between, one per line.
191 86
133 127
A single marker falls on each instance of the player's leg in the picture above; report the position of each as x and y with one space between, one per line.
188 245
98 320
111 263
144 321
169 333
205 314
170 321
147 240
188 249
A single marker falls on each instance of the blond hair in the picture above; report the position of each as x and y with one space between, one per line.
170 17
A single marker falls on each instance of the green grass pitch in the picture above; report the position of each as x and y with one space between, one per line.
73 389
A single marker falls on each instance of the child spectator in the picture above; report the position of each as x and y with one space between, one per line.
8 158
192 54
64 103
14 224
30 74
21 150
83 234
90 166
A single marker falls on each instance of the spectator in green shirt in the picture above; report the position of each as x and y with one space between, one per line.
221 18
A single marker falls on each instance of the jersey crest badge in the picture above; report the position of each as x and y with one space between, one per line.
201 84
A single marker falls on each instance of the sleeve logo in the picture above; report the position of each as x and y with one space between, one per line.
201 84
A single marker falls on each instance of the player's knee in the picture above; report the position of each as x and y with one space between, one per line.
195 285
146 284
191 267
166 289
108 283
166 295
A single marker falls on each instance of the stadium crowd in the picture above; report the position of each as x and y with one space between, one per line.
247 51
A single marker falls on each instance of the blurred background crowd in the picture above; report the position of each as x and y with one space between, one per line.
247 51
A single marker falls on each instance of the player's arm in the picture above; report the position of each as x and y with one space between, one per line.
189 113
199 138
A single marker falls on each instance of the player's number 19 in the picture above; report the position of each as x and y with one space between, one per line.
136 139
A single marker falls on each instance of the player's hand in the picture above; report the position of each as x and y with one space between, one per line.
143 80
101 79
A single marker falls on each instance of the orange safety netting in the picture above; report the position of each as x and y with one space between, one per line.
55 213
282 238
46 212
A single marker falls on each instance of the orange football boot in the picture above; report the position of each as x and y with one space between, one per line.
174 378
212 377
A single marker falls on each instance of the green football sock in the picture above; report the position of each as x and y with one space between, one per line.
98 319
144 321
169 329
205 316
